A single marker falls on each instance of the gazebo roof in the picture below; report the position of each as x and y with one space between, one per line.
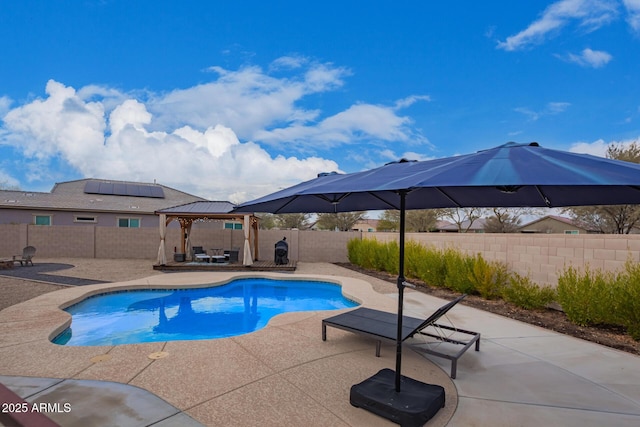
199 208
204 210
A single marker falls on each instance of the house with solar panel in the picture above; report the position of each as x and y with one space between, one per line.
104 203
116 219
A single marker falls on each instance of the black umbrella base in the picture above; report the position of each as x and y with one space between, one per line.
414 405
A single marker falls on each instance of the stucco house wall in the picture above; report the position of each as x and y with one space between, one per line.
69 204
552 225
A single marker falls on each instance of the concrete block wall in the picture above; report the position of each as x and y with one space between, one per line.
541 256
13 237
308 246
129 243
68 241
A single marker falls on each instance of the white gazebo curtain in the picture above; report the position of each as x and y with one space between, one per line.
247 255
188 253
162 251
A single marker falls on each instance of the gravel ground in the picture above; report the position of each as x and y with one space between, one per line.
14 290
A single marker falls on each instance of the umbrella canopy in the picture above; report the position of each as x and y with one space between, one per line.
511 175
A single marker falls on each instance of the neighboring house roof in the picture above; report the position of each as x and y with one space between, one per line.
98 195
478 224
371 222
440 224
561 219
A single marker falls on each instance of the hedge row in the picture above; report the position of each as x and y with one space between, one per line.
588 298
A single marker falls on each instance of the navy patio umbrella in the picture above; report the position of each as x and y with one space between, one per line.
511 175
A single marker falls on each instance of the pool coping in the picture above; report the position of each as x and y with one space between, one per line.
283 355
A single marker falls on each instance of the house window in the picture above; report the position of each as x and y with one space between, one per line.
129 222
571 232
79 218
42 220
232 226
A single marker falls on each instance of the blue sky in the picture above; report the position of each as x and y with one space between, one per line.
234 100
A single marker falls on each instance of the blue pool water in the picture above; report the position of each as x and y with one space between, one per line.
237 308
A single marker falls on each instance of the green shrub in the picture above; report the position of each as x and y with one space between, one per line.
433 270
388 256
373 255
457 271
626 299
488 278
521 291
361 252
586 298
414 255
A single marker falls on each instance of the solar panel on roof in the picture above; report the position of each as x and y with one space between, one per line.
92 187
124 189
121 190
156 191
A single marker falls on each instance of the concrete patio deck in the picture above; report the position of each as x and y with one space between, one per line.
285 374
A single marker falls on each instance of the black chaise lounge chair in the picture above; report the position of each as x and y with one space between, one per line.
381 325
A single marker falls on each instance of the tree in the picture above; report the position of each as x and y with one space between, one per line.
503 221
267 221
614 219
343 221
389 221
463 218
415 221
292 220
421 220
6 186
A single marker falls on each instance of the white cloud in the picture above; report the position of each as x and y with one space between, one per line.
550 109
596 148
557 107
288 62
205 139
410 100
355 124
5 103
589 58
599 147
61 122
633 13
589 15
212 163
247 100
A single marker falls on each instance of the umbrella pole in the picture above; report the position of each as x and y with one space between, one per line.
401 280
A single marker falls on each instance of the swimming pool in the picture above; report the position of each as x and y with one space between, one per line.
236 308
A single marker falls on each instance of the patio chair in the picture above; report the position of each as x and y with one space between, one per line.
27 256
381 325
199 254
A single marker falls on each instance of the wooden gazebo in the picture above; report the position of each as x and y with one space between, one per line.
187 214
